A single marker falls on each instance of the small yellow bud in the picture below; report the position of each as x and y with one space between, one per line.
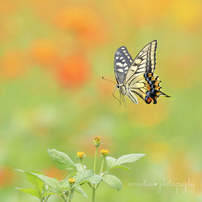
97 141
104 153
80 154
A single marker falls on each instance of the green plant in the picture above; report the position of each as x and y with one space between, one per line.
46 186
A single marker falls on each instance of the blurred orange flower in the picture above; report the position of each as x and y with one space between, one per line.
13 64
6 177
85 22
55 172
44 52
73 71
8 7
141 13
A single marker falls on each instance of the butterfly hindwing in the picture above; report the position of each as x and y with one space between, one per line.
122 62
144 62
140 78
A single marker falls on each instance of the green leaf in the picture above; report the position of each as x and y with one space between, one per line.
83 176
79 167
112 181
61 160
49 192
129 158
123 167
64 184
86 176
33 179
80 191
111 162
32 192
51 182
95 179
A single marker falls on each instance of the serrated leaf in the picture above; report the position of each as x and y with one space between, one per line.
112 181
80 191
32 192
129 158
33 179
51 182
61 160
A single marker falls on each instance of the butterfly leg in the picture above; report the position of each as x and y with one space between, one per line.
116 97
124 100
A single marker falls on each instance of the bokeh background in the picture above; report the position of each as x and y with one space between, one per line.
53 54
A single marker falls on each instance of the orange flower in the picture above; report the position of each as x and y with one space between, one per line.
73 71
6 177
85 22
13 64
141 13
53 172
44 52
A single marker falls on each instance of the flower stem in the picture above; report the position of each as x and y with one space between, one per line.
95 159
70 195
93 195
101 169
82 164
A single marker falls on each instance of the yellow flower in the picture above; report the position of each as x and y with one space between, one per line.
97 141
104 153
80 154
71 181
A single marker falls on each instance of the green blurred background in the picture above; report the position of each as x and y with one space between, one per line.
53 54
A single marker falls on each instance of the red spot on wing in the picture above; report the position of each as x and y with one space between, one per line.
149 100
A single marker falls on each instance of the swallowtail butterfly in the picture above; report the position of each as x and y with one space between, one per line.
136 77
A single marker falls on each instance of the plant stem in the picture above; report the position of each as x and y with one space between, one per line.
93 195
70 191
95 159
82 165
102 165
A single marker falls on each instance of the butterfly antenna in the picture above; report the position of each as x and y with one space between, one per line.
108 80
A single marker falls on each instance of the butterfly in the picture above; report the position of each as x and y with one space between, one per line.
136 77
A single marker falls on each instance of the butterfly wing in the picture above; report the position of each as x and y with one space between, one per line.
122 62
140 78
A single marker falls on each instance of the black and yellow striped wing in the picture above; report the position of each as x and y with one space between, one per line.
122 62
140 78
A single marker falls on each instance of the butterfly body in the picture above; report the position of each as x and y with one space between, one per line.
136 77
